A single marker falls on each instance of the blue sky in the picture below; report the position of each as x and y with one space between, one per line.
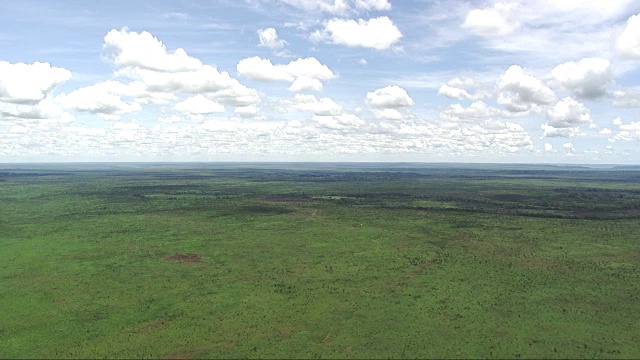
325 80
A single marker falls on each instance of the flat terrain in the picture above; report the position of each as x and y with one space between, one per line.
319 261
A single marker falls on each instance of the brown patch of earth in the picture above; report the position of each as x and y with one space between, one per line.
187 258
327 339
2 331
156 325
299 269
246 276
285 332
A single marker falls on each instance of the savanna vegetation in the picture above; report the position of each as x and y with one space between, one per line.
319 261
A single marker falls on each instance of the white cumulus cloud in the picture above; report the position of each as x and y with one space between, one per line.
454 92
389 97
493 21
338 122
458 93
164 73
388 114
304 74
628 43
520 92
309 103
104 98
376 33
305 84
626 132
246 111
566 132
269 38
143 50
256 68
22 83
478 110
46 112
310 67
626 98
198 104
588 78
567 113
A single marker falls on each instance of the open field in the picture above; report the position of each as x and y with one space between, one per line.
319 261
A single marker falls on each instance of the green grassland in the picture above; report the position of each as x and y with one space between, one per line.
319 261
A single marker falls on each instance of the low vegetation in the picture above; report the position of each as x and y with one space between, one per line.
319 261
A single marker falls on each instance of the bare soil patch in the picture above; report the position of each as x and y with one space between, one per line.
186 258
156 325
285 332
327 339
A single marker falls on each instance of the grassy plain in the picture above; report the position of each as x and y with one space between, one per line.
319 261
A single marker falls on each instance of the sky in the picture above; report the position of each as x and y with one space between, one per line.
535 81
